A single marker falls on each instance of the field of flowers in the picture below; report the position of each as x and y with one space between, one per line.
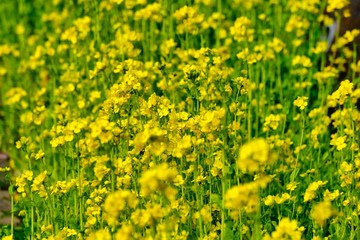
189 119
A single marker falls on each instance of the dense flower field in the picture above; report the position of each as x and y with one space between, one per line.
189 119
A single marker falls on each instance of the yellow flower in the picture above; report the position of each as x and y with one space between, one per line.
346 87
102 234
151 11
40 154
284 197
241 30
297 24
336 5
147 136
291 186
330 196
166 46
211 120
245 196
117 202
341 94
301 61
205 214
269 200
321 212
22 142
338 142
277 45
38 180
158 178
301 102
94 95
321 47
311 190
345 167
14 95
20 29
254 155
272 122
124 233
7 238
189 20
142 218
286 229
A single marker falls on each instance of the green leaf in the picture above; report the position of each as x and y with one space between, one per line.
228 232
216 199
11 190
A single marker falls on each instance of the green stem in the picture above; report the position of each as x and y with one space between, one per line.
219 9
295 171
12 211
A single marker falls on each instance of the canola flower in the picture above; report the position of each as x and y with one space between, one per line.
301 102
254 156
286 229
321 212
136 119
245 196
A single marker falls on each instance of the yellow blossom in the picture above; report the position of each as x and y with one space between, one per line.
286 229
336 5
245 196
301 102
338 142
321 212
254 155
310 192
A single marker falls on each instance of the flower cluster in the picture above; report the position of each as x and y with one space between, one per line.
136 119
